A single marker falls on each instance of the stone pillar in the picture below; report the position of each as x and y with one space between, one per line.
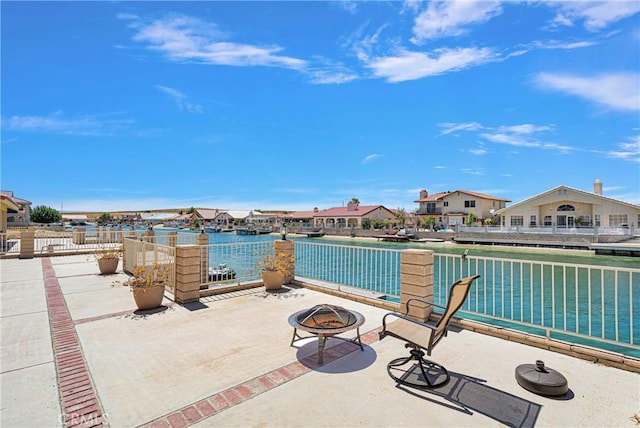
172 239
27 239
187 287
416 280
288 247
149 236
202 240
79 236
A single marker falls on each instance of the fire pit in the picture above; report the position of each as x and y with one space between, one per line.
326 321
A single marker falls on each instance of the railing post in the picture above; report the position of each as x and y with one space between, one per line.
79 236
202 240
187 287
416 280
281 246
148 235
172 238
27 240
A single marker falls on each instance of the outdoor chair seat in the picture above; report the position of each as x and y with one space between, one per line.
421 337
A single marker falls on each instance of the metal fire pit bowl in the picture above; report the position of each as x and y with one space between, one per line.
326 321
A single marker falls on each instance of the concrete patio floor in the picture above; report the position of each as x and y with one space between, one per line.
73 349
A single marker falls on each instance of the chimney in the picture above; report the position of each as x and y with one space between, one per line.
352 206
597 187
424 194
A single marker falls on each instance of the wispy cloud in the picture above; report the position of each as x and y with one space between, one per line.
370 158
188 39
411 65
596 15
449 128
619 91
57 124
473 171
628 150
180 99
451 18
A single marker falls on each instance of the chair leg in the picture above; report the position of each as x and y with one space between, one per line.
428 369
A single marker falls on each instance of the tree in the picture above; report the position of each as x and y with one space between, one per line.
427 222
366 223
191 210
43 214
470 220
104 218
401 216
355 200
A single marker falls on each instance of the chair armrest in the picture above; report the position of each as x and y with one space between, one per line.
404 317
422 301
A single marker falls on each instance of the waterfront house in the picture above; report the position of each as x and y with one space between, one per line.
351 215
451 208
15 211
566 207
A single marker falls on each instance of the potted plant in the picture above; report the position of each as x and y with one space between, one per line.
147 285
277 269
108 258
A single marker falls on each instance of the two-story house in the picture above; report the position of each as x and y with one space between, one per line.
451 208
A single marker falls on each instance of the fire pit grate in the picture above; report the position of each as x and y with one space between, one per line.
326 317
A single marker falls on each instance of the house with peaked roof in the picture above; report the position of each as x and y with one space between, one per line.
451 208
351 215
564 206
16 212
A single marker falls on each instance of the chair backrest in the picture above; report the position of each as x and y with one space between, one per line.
457 295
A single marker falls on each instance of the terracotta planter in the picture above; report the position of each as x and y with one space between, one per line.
108 266
148 297
272 280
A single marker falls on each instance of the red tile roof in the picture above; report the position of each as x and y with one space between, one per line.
344 211
442 195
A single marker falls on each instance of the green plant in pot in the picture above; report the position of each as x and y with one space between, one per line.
108 258
277 269
147 284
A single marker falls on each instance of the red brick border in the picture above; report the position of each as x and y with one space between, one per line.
79 401
216 403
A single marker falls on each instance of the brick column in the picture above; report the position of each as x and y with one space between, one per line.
79 235
27 238
202 240
285 247
416 280
149 236
187 273
172 239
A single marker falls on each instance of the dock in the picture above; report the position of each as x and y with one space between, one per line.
617 249
393 238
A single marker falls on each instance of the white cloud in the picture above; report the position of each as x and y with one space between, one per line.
526 128
595 14
619 91
450 18
185 39
407 65
448 128
629 150
180 99
86 125
370 158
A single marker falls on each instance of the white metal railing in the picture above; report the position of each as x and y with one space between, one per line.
242 262
557 230
143 253
375 270
583 301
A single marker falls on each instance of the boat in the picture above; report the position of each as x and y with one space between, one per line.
246 231
221 273
263 230
216 229
314 234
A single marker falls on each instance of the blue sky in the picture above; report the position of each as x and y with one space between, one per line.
293 105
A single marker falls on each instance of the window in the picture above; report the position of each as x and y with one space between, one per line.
596 220
547 220
566 207
431 207
517 220
532 221
469 204
446 203
617 219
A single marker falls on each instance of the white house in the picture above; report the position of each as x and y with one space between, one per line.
564 206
